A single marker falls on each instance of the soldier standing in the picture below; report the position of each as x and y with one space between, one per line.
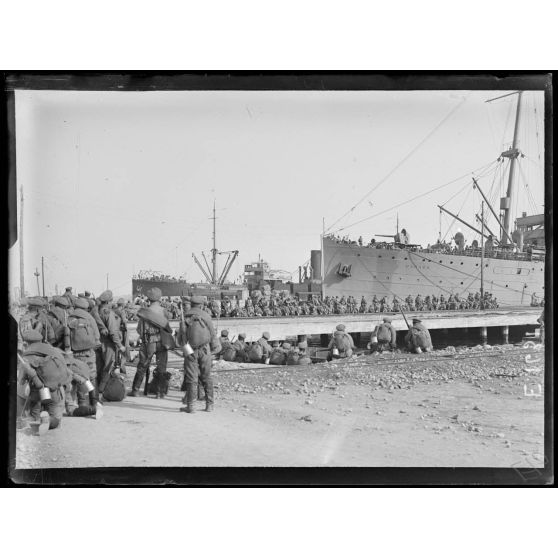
155 334
198 335
111 340
121 314
36 318
84 337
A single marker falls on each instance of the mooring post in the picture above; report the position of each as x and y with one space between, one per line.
484 335
505 334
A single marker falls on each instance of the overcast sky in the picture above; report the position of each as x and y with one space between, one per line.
117 182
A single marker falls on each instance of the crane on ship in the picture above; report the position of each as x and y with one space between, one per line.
210 273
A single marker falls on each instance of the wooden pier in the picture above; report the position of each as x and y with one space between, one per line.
284 327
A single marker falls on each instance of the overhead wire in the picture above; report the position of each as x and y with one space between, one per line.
401 162
409 200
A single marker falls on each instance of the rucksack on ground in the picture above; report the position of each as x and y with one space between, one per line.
115 390
82 334
229 354
256 352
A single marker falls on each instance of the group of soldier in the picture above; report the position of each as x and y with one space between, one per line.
282 304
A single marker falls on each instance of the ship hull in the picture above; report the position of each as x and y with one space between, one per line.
182 288
350 269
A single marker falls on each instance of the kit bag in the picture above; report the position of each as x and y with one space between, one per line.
384 334
256 352
82 334
115 390
197 331
52 370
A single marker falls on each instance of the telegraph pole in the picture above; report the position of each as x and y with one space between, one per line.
107 281
482 257
37 274
214 250
21 270
43 273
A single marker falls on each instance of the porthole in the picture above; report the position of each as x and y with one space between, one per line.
477 265
393 257
379 256
506 286
422 259
461 263
462 282
439 281
451 262
440 261
406 258
485 265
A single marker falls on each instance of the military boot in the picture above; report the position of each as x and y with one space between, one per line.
209 399
190 398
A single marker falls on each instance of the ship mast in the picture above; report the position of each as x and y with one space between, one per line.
511 154
214 251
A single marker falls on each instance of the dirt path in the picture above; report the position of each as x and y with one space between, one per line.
426 412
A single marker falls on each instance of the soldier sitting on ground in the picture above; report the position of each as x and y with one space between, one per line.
418 337
240 347
278 354
260 350
303 358
341 344
384 337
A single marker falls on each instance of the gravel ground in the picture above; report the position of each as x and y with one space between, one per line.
450 408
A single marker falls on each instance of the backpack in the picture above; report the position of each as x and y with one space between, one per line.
292 358
256 352
384 334
115 390
52 371
229 354
197 331
277 357
82 334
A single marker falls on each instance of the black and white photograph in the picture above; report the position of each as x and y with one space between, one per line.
282 271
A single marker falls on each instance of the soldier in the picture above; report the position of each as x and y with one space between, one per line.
69 297
395 306
45 367
260 350
427 303
155 334
341 344
442 305
363 305
418 303
418 337
384 337
111 340
228 352
215 308
58 318
303 358
375 304
292 355
80 402
36 318
122 315
84 337
198 332
278 354
240 347
410 303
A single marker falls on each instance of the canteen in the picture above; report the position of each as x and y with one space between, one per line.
44 394
90 387
335 351
188 349
267 360
419 350
374 339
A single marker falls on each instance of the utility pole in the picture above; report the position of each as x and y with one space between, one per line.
43 273
37 275
482 257
21 269
107 281
322 272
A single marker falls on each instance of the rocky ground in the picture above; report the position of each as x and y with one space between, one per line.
451 408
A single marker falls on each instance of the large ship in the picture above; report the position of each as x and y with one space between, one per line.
509 265
256 275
